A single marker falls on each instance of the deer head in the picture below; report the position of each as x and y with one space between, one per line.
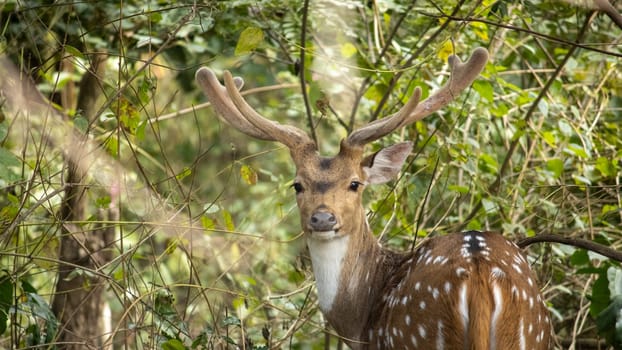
328 189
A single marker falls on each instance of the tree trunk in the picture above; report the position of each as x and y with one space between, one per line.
79 303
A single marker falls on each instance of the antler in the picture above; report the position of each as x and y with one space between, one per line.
235 111
462 75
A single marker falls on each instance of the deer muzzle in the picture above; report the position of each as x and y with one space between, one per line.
322 221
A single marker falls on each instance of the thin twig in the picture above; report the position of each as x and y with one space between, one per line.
303 83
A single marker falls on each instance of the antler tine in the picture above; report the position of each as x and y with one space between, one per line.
227 111
290 136
384 126
234 111
462 75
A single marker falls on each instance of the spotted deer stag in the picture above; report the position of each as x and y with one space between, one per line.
473 290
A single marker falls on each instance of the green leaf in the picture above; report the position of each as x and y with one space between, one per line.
459 189
6 300
3 129
173 344
250 39
549 138
606 167
614 275
7 158
484 89
576 150
580 258
184 173
488 163
600 295
556 166
231 321
348 50
228 220
103 202
608 323
81 123
73 51
207 223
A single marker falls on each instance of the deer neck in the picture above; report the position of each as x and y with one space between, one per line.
350 272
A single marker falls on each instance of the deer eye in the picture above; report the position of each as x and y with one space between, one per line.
355 185
297 187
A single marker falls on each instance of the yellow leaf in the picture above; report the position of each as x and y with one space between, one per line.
481 30
228 220
348 50
250 38
446 49
248 174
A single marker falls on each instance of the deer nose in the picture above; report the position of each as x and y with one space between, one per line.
322 221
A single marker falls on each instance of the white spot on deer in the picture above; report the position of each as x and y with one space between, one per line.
497 295
422 305
422 331
447 287
463 306
404 300
517 268
530 281
496 273
438 259
460 271
417 285
407 320
521 335
428 260
413 340
435 293
440 339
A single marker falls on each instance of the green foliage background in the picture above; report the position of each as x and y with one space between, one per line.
208 251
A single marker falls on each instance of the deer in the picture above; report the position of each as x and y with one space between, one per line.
469 290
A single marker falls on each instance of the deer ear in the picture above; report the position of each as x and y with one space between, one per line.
384 165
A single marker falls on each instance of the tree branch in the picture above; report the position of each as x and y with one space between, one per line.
575 242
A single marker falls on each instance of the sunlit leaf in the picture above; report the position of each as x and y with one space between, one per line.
480 29
184 173
207 223
348 50
249 175
556 166
173 344
446 50
484 89
228 220
249 40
